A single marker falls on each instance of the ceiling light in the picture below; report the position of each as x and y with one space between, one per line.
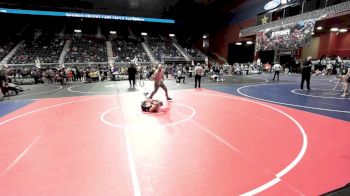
143 33
113 32
204 37
249 42
334 29
319 28
238 43
171 35
77 30
343 30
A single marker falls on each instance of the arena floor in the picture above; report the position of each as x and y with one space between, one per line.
244 136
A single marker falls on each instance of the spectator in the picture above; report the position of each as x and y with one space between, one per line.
45 49
129 51
164 49
86 50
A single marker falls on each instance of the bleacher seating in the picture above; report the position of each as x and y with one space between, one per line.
127 50
193 52
188 48
86 50
46 48
163 49
5 47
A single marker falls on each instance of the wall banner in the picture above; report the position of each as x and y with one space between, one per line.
291 36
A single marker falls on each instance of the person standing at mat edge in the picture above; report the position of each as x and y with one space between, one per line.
346 80
306 73
132 73
277 68
198 75
158 78
3 80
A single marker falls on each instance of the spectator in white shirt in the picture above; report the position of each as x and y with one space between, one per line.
277 68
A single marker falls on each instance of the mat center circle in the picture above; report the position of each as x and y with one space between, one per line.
169 114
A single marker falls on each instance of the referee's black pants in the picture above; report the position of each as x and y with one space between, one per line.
305 76
197 78
278 75
132 81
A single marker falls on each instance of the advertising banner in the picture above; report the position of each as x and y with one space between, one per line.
84 15
291 36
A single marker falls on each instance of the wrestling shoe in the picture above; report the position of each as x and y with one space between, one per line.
344 95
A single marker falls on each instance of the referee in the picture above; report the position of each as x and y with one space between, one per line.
198 75
132 73
306 73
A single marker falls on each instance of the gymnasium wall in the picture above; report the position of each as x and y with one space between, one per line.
242 17
220 40
334 44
